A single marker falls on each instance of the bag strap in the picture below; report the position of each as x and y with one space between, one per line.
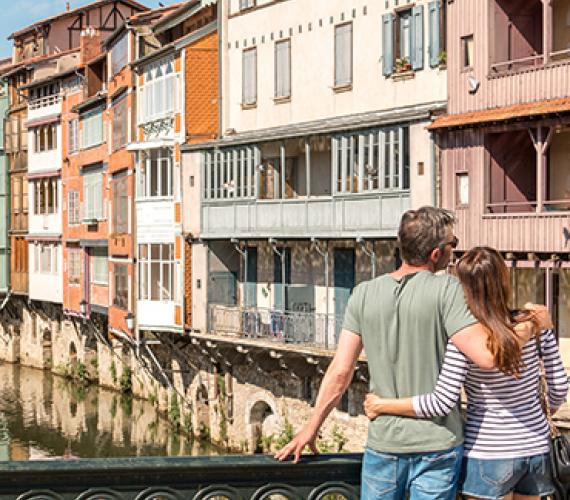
543 388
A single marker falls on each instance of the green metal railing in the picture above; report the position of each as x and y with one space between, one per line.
254 477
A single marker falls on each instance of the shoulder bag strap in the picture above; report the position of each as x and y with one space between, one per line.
543 388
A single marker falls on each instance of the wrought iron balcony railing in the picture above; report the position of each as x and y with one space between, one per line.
198 478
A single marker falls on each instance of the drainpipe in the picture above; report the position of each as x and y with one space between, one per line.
325 256
369 253
281 254
243 253
221 32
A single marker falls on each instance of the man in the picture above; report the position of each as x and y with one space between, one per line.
404 321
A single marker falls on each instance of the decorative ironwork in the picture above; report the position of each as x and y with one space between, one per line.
257 477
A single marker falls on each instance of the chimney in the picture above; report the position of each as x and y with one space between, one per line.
67 7
89 44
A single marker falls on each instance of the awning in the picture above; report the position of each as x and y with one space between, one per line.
44 237
528 110
44 120
43 175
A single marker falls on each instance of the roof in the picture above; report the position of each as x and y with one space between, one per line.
161 11
415 113
528 110
132 3
180 14
26 62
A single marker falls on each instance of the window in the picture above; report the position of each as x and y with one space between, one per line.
405 35
46 95
246 4
73 137
45 196
121 286
283 69
73 215
74 265
467 48
120 205
231 173
45 257
157 272
462 185
372 160
93 196
99 267
403 41
92 128
119 55
158 93
45 138
155 179
249 77
120 122
343 55
437 32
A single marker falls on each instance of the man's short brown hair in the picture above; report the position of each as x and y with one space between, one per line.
421 231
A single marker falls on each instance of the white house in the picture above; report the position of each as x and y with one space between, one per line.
324 146
44 190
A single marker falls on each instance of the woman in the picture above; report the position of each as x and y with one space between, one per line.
506 434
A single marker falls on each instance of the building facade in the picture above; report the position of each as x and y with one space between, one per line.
4 190
323 147
161 129
504 143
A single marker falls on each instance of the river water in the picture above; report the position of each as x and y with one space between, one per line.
43 416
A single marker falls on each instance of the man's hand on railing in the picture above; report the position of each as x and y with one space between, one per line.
306 437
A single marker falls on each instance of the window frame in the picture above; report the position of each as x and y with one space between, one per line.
46 200
119 136
120 186
121 285
90 182
145 272
245 102
99 257
124 59
145 179
93 116
277 96
466 40
459 176
338 85
74 265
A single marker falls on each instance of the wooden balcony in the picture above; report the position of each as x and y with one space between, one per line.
19 282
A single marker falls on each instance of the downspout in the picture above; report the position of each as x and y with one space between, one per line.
243 253
325 256
281 255
220 7
434 171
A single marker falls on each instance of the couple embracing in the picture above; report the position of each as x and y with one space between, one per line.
425 337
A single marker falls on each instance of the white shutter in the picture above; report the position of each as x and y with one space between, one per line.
283 69
343 54
249 78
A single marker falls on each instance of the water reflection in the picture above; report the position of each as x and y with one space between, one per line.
43 416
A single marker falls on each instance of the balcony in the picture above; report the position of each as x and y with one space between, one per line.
375 214
299 328
527 193
529 52
346 185
44 106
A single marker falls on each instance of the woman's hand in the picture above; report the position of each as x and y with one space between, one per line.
372 405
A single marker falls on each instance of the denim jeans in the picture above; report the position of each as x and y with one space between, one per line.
390 476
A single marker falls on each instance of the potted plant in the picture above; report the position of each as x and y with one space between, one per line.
403 64
442 58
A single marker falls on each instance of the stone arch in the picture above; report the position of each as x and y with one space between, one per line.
202 405
262 419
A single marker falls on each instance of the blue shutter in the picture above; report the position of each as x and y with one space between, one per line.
417 45
434 34
387 44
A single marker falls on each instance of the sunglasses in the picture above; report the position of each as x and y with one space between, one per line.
453 243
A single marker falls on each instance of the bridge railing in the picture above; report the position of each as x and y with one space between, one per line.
232 477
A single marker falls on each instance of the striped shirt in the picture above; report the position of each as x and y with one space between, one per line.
504 415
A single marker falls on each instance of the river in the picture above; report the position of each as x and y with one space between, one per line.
44 416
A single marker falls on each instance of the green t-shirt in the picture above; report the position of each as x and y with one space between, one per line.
405 326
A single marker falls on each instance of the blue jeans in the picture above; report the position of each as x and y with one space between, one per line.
495 478
390 476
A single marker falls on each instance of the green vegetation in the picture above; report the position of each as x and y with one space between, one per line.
126 381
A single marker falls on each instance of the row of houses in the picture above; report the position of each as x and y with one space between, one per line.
238 166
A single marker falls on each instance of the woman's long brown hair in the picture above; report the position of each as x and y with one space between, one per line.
485 279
